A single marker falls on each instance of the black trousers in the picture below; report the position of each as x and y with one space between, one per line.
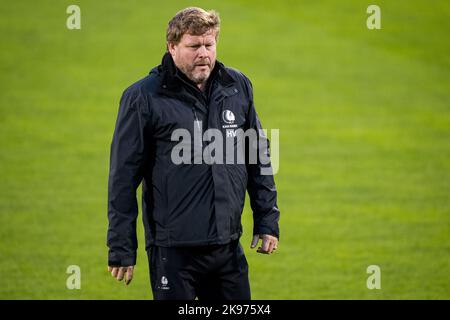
215 272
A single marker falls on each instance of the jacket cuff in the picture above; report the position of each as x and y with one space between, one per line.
121 260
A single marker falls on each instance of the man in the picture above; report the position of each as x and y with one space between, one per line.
191 210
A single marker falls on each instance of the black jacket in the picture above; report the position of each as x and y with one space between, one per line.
182 204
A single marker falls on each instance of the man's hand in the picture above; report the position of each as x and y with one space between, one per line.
269 243
120 272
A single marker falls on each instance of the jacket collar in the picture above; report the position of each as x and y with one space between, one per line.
171 75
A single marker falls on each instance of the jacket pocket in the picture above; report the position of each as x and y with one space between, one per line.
237 175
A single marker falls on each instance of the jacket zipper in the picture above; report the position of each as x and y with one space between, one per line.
196 119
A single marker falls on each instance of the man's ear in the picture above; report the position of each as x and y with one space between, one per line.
171 48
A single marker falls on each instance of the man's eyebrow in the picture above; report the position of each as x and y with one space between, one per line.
199 43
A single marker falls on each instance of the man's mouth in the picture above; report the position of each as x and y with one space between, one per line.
202 65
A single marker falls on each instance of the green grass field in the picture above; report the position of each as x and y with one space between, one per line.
364 119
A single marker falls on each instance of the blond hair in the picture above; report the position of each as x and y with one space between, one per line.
194 21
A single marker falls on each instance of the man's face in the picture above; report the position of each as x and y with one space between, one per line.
195 56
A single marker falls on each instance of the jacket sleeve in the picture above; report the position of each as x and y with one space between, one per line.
261 187
127 159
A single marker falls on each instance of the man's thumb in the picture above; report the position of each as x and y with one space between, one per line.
254 241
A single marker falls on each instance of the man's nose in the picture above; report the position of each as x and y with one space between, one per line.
202 52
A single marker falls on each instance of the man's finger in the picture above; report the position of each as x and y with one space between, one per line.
129 275
109 268
265 244
114 271
121 273
275 244
271 246
254 241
